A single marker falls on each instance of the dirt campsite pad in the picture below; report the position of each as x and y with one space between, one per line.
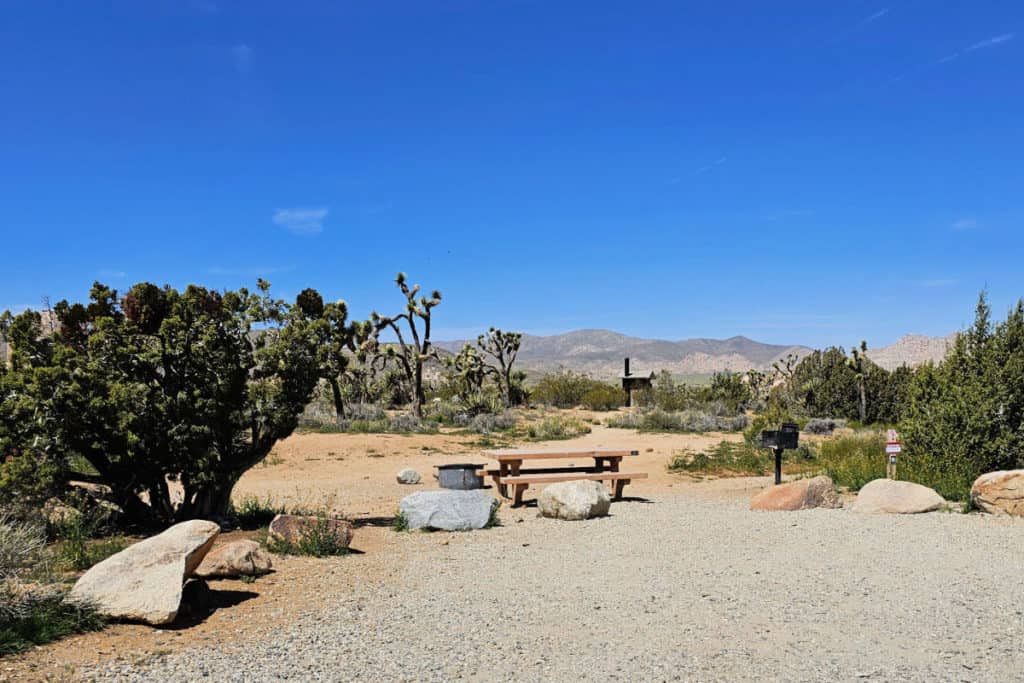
682 581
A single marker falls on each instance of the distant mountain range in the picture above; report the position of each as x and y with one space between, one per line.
600 353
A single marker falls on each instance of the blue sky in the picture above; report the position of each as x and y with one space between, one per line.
798 172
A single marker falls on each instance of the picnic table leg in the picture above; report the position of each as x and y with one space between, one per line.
519 489
502 488
613 466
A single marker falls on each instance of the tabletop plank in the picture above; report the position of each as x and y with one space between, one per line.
523 454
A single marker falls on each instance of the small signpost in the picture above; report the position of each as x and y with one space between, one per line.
892 449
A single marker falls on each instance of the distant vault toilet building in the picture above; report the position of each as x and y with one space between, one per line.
634 383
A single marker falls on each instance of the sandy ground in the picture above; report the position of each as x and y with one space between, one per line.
353 474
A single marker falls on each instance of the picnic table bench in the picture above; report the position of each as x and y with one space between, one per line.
510 472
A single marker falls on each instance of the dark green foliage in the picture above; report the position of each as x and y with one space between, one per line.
43 618
831 384
401 522
193 386
603 397
966 415
564 389
854 460
667 394
729 389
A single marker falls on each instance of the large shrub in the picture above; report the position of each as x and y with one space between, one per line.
564 389
966 415
603 397
829 383
160 386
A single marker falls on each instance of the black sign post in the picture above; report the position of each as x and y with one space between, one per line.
788 436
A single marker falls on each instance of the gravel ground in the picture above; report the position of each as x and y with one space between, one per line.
678 589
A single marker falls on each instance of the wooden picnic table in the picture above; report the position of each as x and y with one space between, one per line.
510 470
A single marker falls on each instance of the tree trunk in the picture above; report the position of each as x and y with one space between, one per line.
418 398
863 404
339 405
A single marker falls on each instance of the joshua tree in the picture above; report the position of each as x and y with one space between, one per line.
414 352
467 370
503 348
859 362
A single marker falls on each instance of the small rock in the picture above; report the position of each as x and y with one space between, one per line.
1000 493
448 510
898 497
143 582
408 476
801 494
574 500
239 558
292 529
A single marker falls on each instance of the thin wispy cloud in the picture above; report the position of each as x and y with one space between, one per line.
994 41
965 224
859 25
301 221
980 45
935 283
109 272
705 169
242 57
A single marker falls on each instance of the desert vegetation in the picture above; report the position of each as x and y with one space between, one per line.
133 412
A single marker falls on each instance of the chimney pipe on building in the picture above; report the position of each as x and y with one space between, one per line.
626 372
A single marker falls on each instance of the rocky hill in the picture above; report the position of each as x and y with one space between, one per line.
911 350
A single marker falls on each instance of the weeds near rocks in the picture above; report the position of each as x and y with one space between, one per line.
726 457
854 460
33 613
37 615
77 549
254 512
401 522
318 540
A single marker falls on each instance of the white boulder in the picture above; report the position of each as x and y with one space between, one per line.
897 497
448 510
573 500
238 558
408 476
143 582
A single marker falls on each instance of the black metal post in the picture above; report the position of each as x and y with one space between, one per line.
778 466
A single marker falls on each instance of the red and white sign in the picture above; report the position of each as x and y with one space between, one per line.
893 447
